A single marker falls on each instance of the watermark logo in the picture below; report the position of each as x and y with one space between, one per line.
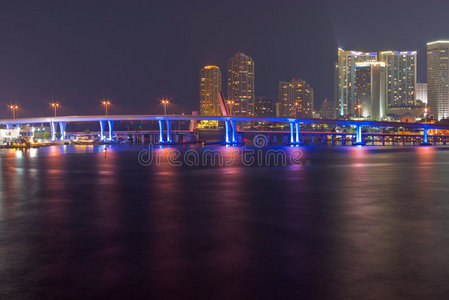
260 140
258 155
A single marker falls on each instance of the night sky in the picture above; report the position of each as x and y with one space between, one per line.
136 51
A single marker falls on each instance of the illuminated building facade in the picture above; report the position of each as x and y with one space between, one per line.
241 84
421 92
370 90
401 77
296 99
438 79
327 109
210 87
345 79
264 107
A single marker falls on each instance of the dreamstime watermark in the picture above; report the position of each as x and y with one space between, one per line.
257 155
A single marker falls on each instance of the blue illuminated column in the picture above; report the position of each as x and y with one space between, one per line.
8 126
161 129
227 125
297 132
359 135
425 141
292 135
53 130
169 131
234 131
62 126
111 126
102 130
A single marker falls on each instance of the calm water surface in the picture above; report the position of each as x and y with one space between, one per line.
355 223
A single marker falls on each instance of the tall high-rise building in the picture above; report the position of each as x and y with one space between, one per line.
327 109
438 79
241 84
370 90
264 107
421 92
345 79
401 77
296 99
210 86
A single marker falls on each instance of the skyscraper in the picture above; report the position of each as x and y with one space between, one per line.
296 99
438 79
241 84
345 79
401 77
210 86
421 92
370 90
264 107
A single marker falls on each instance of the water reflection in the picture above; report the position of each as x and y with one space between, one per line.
355 223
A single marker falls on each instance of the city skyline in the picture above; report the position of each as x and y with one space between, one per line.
133 61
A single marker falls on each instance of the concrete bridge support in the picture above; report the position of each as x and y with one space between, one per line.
169 139
359 136
111 126
161 129
425 141
297 133
227 127
292 132
234 131
62 126
102 123
53 130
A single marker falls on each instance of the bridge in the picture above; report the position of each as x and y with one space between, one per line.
230 123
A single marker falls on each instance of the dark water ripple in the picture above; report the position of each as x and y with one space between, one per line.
357 223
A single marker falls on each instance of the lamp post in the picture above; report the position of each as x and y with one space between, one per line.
231 106
106 103
13 107
425 114
55 106
165 103
359 107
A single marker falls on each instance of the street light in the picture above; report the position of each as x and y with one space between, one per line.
106 103
13 107
55 106
165 103
231 105
425 114
359 107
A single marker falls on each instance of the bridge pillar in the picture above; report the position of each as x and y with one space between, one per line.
62 126
111 127
169 140
227 126
53 130
234 131
359 136
297 133
425 141
102 123
161 129
292 131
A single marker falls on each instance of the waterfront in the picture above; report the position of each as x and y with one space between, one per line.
354 222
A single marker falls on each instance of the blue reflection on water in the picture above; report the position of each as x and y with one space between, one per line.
354 222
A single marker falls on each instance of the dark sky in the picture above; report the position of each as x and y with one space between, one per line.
135 51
